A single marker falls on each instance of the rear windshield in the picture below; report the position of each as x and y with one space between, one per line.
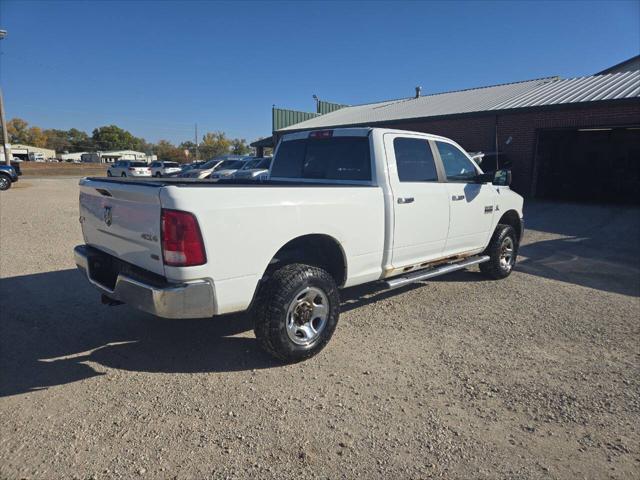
336 158
138 164
171 164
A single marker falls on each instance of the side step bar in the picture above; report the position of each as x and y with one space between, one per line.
434 272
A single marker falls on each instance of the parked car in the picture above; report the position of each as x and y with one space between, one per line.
222 162
163 169
129 168
190 166
36 157
256 169
341 207
9 175
202 170
228 168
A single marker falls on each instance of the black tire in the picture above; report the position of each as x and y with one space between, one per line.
123 174
158 174
109 174
5 182
501 263
281 293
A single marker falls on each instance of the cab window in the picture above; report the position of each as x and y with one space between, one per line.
414 160
337 158
457 165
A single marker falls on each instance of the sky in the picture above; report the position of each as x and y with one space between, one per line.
156 68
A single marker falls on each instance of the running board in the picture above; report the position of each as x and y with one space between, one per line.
435 272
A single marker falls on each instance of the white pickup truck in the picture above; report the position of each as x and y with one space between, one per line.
340 208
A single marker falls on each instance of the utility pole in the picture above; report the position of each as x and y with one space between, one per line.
5 137
196 139
3 122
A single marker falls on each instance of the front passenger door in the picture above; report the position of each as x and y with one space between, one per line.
472 204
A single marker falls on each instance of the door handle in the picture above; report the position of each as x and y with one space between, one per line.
403 200
457 197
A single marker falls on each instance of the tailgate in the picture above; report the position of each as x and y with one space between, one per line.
123 219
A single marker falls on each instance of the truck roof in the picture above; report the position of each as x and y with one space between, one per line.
355 132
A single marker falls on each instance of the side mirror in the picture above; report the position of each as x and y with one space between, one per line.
502 178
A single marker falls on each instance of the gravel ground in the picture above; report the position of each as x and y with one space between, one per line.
536 376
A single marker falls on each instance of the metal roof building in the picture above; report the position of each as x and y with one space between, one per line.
528 94
575 139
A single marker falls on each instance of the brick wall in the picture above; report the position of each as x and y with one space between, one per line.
477 133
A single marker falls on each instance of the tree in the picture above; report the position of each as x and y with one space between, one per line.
112 137
73 140
56 139
17 130
165 150
214 144
190 147
36 137
79 141
239 146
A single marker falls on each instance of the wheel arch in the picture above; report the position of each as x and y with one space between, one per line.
316 249
512 218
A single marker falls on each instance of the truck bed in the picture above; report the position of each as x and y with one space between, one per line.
243 225
194 182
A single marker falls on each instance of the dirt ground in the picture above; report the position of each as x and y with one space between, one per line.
46 169
535 376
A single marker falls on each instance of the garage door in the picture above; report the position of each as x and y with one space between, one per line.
589 165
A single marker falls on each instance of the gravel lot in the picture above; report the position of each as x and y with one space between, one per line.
536 376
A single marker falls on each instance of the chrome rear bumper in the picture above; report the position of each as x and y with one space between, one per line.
180 300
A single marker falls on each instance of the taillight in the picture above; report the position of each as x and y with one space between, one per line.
182 244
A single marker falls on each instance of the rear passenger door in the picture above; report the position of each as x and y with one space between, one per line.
471 204
420 200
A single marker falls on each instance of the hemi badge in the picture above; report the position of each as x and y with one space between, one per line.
488 209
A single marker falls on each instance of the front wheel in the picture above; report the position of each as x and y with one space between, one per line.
502 251
123 174
109 174
297 311
158 175
5 182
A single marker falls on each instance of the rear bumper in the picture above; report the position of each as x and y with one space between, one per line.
172 300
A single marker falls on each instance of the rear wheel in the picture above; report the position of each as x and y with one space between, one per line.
158 174
297 311
502 251
123 174
109 173
5 182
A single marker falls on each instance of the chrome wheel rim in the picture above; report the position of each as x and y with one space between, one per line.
307 316
507 253
4 183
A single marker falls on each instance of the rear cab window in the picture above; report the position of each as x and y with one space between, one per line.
337 158
414 160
